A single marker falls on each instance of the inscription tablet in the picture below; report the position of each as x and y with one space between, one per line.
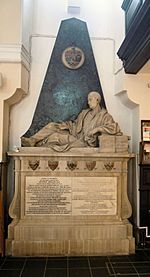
48 195
71 195
94 196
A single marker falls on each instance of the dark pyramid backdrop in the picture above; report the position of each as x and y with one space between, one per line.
64 91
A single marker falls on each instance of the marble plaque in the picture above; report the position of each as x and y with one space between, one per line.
47 195
71 195
94 196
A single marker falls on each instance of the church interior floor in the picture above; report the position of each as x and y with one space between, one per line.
137 264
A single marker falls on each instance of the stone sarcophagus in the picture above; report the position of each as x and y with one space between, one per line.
72 203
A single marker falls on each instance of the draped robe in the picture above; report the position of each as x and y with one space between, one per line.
77 133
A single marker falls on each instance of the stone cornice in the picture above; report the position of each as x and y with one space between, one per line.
84 152
15 53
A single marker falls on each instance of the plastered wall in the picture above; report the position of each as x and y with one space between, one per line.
25 50
102 21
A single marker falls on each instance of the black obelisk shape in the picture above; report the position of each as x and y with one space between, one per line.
64 91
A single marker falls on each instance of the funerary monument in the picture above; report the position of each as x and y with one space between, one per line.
71 177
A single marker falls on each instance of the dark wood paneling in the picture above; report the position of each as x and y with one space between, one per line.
131 8
145 195
135 49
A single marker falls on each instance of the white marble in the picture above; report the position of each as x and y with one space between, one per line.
72 203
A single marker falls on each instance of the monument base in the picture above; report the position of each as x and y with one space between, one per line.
41 239
72 203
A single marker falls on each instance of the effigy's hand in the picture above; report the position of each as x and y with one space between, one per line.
94 131
63 126
90 133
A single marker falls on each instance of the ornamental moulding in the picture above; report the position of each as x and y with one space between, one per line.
15 53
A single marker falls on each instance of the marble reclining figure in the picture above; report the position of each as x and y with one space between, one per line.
83 132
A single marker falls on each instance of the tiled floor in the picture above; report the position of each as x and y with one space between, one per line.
125 266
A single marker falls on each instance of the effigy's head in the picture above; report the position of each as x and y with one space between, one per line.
94 99
96 95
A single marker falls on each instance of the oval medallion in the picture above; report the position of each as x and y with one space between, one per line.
73 57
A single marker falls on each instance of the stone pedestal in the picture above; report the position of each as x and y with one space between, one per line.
72 203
